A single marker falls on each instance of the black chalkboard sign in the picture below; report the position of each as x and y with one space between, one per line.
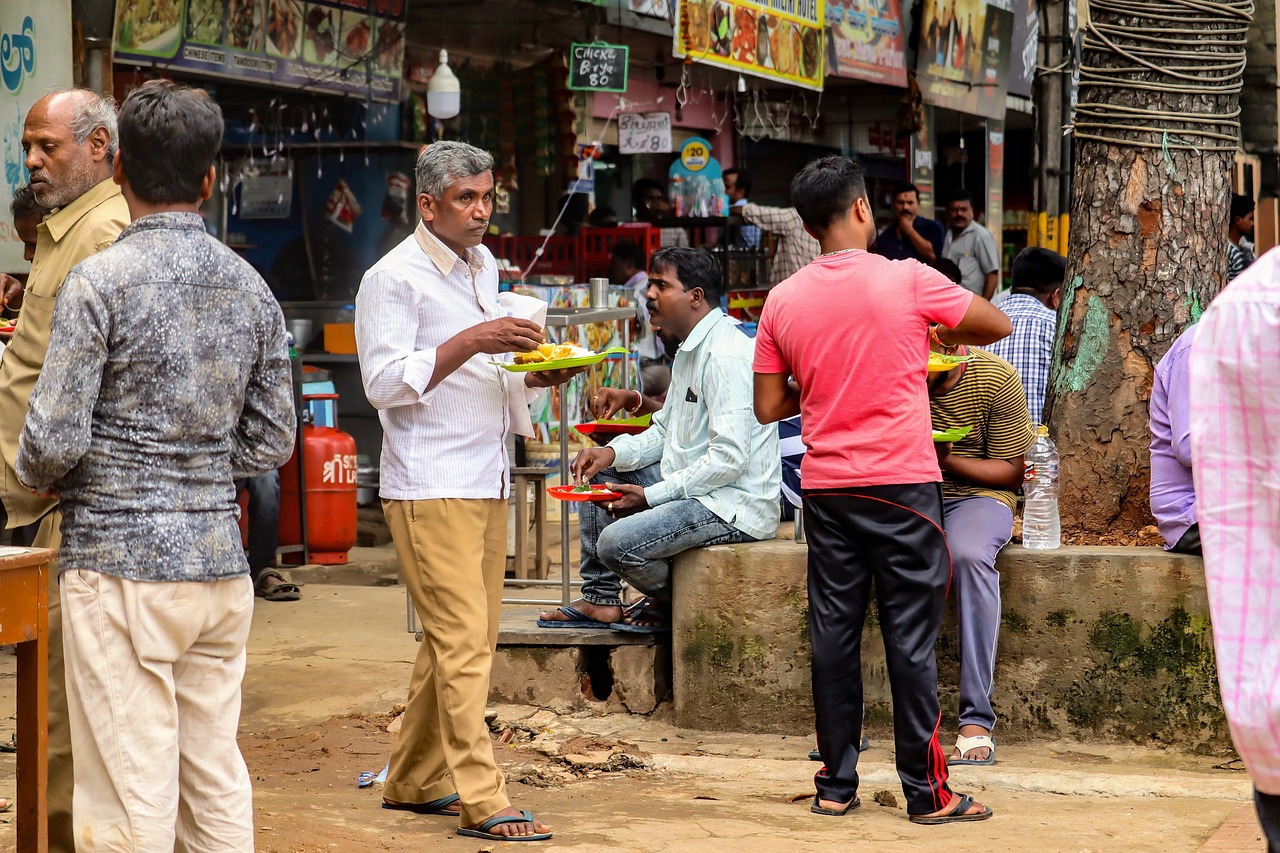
598 67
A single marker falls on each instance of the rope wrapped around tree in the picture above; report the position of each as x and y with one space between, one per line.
1137 55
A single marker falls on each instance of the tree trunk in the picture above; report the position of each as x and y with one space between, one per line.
1147 250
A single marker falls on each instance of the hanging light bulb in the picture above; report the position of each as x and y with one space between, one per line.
444 94
742 84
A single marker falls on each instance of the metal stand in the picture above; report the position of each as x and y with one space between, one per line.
563 318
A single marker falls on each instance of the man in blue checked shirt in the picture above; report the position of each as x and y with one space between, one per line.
1032 307
706 473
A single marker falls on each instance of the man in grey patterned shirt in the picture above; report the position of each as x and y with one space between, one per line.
167 376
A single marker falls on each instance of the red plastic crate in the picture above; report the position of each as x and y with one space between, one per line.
560 257
597 246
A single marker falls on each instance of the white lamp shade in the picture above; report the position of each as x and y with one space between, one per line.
444 93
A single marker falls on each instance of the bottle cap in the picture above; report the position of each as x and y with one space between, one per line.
1041 429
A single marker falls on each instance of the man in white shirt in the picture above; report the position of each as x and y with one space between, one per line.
706 473
428 323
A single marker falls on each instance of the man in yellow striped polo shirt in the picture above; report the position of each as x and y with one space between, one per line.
980 474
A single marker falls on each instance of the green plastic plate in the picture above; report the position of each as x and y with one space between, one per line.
561 363
951 434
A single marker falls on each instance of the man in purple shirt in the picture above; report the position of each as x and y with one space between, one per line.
1173 497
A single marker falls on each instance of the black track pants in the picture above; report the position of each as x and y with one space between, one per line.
892 534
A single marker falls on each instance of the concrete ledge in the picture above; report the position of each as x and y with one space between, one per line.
1095 642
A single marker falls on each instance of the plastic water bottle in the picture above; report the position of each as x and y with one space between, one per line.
1041 527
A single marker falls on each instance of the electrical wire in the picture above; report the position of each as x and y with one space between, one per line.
1175 47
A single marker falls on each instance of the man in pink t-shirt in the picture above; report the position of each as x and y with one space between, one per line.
845 343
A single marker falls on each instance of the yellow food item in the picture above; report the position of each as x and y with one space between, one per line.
551 352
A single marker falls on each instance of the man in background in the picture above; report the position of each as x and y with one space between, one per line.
1240 236
793 245
1235 460
737 185
649 199
1032 306
971 247
911 235
1173 493
69 139
628 266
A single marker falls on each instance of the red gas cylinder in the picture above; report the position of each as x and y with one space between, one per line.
331 493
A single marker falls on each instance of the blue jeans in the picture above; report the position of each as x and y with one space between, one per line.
639 548
264 521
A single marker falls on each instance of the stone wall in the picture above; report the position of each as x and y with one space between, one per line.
1095 642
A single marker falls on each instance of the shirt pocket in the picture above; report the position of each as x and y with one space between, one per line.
31 341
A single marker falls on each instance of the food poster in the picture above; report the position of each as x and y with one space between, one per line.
349 47
35 56
865 41
696 187
776 39
963 62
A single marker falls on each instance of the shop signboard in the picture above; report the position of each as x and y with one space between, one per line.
598 67
963 61
995 182
648 8
865 41
920 165
644 133
353 47
35 56
775 39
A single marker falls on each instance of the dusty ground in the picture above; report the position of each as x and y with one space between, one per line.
325 672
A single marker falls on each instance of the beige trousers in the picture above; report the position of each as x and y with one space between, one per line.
153 687
62 837
452 556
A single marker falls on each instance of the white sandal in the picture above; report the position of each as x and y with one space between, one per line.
966 744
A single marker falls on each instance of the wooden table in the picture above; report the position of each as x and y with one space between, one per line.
24 619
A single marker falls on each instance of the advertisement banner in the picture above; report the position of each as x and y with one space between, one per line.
995 184
35 56
1026 47
921 164
776 39
344 46
648 8
963 63
865 41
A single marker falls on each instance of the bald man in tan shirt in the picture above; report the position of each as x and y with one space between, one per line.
71 175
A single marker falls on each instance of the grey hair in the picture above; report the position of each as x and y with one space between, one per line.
92 112
442 163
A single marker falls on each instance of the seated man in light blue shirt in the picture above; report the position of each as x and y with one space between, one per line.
706 473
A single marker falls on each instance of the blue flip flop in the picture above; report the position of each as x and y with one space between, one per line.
577 619
482 831
435 807
644 608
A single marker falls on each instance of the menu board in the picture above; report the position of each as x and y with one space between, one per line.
598 67
776 39
344 46
963 61
865 41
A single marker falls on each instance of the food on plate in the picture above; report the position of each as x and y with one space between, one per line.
699 24
764 57
811 52
204 21
390 46
744 36
939 363
721 28
244 24
320 32
358 38
780 44
142 21
283 26
552 352
8 325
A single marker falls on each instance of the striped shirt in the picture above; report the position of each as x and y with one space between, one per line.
1235 455
988 398
449 442
794 248
1030 347
711 446
1238 260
